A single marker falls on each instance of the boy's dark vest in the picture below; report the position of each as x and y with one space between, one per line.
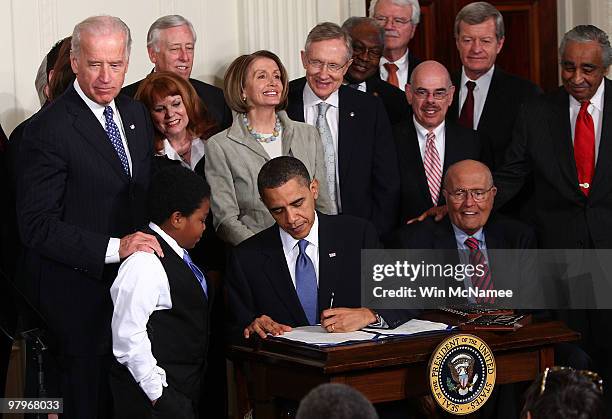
179 336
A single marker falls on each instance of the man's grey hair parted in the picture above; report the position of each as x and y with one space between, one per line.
416 9
100 25
326 31
166 22
588 33
476 13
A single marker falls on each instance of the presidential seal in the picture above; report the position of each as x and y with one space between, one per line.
462 374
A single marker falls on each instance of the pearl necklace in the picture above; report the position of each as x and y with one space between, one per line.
260 138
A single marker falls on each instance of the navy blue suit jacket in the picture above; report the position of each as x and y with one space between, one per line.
72 197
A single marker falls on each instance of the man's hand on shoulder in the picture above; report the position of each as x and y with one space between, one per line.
264 325
438 212
346 319
139 241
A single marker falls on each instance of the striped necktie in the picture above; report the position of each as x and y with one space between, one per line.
433 167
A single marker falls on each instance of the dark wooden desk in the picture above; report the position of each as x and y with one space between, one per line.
382 370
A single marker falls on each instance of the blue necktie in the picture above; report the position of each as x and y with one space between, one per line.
306 283
196 271
115 138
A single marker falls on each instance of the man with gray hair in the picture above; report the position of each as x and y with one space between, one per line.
488 98
399 18
565 139
368 44
83 174
171 44
361 163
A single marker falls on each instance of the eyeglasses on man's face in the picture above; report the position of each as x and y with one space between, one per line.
373 53
460 195
438 94
397 21
331 67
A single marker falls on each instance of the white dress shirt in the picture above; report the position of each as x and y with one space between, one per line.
311 100
402 70
480 92
440 140
596 111
197 152
141 287
292 250
112 249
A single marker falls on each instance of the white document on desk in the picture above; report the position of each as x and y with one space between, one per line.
316 335
411 327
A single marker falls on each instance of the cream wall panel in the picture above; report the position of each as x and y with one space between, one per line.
31 27
281 26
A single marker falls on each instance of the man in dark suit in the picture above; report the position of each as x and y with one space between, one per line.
427 144
399 18
171 44
360 159
305 268
565 139
368 43
492 105
81 188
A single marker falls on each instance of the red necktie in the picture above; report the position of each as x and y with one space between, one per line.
484 281
466 118
392 78
584 148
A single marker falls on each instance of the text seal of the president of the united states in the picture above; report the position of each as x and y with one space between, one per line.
462 374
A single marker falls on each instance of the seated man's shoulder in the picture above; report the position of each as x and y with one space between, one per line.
517 232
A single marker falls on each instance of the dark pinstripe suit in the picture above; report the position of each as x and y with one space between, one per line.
72 196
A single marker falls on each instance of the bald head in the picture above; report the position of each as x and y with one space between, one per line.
468 166
469 194
429 68
430 94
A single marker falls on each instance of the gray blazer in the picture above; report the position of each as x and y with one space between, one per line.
233 161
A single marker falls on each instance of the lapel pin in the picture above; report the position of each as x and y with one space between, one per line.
132 126
352 114
332 255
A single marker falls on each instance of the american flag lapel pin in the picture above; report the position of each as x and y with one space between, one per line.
332 255
352 114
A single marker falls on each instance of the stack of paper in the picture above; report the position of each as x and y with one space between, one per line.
316 335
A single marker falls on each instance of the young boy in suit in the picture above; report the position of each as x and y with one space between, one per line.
161 303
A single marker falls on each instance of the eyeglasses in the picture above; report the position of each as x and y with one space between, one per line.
460 195
438 94
590 375
331 67
372 53
397 21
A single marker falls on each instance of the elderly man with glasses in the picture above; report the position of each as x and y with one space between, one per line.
399 19
427 144
360 158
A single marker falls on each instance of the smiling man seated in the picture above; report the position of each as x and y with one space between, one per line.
290 274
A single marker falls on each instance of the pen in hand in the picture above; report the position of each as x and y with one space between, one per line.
331 301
